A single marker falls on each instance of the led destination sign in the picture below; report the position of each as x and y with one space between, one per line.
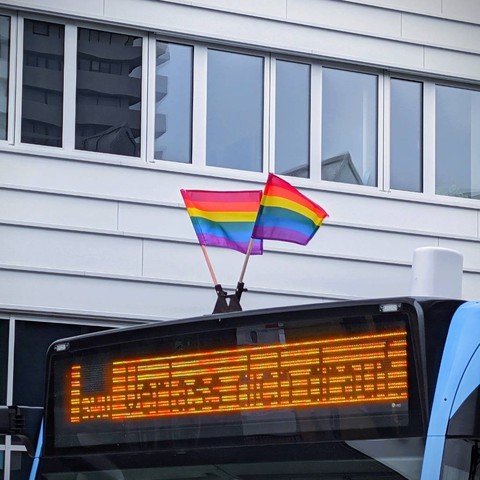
345 371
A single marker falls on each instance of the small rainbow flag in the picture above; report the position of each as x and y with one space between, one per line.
224 219
286 214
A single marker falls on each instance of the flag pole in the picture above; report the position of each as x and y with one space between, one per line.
245 262
209 264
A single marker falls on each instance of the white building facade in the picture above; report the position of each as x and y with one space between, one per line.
108 108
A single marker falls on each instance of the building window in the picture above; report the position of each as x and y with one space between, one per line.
406 133
109 85
457 142
3 360
235 111
173 102
349 127
4 67
292 119
42 97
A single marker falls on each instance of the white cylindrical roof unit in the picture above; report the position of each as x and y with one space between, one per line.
437 272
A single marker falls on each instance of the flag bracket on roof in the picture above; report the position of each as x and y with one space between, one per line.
229 302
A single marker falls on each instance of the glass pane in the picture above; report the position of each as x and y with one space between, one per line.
349 127
109 86
4 66
32 340
457 142
292 119
406 164
173 103
3 360
234 111
21 464
42 96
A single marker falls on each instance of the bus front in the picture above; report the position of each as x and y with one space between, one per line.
330 391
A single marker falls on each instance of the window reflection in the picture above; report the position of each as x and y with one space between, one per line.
457 142
173 103
4 66
109 84
42 96
234 111
406 163
292 119
349 127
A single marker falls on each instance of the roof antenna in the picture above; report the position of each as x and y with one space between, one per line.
437 272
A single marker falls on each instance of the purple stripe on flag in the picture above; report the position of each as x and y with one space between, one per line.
226 243
282 234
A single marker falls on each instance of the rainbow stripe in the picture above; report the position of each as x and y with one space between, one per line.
224 219
286 214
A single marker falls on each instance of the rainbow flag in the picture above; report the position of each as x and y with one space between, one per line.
286 214
224 219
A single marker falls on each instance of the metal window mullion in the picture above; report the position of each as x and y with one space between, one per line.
429 138
18 87
316 122
384 112
12 88
268 134
150 101
145 98
272 115
69 87
199 106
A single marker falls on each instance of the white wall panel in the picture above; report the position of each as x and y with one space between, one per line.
264 33
402 215
87 8
466 10
120 298
463 65
32 207
426 7
342 16
81 252
267 8
471 286
443 33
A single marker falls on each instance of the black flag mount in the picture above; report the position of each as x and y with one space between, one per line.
229 303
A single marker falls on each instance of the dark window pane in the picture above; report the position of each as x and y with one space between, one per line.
292 119
349 127
173 103
32 340
42 101
234 111
3 360
21 465
108 113
406 164
457 142
4 66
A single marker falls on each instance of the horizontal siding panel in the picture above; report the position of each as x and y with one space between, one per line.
121 298
342 16
155 220
441 33
87 8
462 65
61 250
266 8
407 215
265 33
42 208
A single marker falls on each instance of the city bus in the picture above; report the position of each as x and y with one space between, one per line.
370 389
